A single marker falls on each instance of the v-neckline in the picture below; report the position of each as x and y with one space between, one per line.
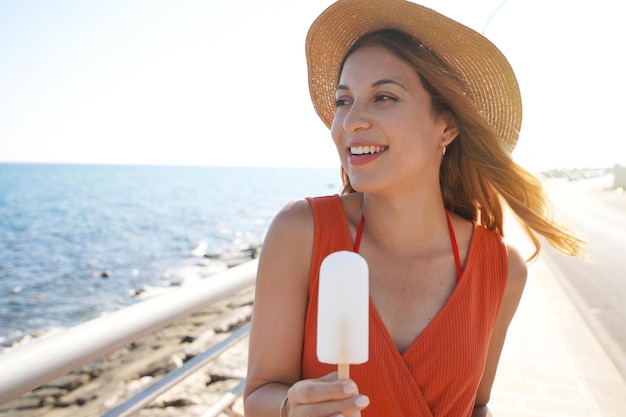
426 331
460 284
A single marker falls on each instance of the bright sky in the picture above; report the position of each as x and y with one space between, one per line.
221 82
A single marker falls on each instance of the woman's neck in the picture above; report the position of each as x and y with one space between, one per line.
409 224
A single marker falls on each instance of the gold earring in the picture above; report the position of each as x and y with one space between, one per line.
444 146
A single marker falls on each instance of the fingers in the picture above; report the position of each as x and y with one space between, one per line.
325 397
322 389
336 408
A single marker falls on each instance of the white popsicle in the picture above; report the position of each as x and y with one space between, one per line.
343 310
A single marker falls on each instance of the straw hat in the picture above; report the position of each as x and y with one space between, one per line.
489 78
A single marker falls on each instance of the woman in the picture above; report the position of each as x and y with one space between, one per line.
424 113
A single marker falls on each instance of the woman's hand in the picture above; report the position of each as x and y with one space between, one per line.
325 397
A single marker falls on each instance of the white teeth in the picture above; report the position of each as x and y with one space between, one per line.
360 150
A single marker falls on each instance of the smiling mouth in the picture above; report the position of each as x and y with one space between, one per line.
365 150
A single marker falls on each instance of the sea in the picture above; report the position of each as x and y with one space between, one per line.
78 241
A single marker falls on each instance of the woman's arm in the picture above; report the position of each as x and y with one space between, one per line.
281 294
276 336
516 281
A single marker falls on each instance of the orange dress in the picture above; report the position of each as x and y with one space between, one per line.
438 375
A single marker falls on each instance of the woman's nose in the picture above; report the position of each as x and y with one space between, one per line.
357 117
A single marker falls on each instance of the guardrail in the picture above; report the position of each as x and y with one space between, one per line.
150 393
27 367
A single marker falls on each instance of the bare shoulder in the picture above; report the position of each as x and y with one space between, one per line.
295 211
515 284
288 244
294 220
517 270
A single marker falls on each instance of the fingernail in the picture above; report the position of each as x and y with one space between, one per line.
362 401
350 387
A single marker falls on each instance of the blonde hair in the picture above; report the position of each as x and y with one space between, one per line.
477 173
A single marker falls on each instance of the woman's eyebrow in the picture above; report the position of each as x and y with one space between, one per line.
376 84
389 81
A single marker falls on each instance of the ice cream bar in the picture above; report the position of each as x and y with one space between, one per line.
343 310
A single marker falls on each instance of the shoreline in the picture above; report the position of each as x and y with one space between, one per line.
207 265
106 382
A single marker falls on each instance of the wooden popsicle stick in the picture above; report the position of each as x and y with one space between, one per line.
343 370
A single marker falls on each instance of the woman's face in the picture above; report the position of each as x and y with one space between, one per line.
385 130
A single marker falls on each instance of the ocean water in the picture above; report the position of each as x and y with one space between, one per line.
62 227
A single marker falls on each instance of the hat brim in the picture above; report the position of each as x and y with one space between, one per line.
488 76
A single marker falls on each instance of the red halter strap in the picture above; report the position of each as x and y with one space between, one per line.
455 248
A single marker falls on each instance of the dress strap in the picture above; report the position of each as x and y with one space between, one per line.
359 232
455 248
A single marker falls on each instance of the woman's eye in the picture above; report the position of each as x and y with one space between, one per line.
341 102
384 98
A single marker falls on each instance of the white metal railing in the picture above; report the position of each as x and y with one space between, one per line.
144 397
40 361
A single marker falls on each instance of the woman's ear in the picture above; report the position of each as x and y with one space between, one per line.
451 130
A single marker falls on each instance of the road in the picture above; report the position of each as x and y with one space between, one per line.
597 285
